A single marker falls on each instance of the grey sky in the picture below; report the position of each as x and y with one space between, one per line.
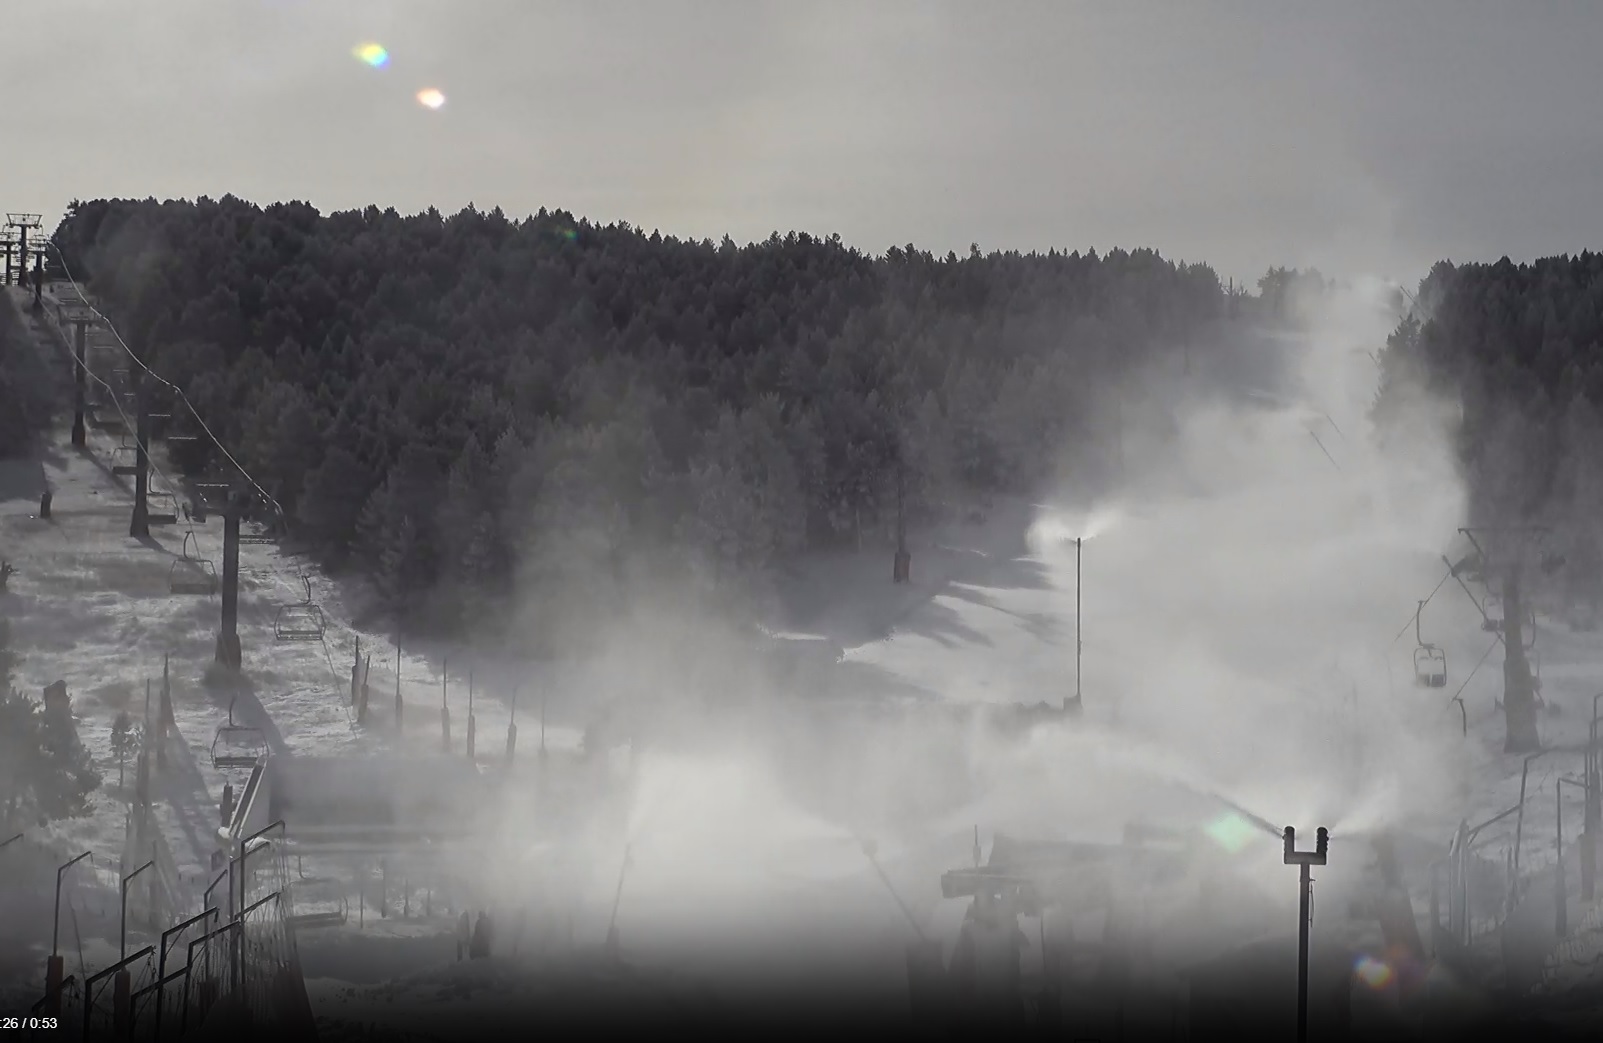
1357 136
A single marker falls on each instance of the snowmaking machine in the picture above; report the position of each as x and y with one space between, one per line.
1152 937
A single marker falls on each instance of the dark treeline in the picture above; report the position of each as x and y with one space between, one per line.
25 406
447 403
1521 347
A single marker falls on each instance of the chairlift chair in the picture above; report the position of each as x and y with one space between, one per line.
192 574
1430 667
237 746
261 537
1492 622
125 461
302 622
260 533
328 906
161 508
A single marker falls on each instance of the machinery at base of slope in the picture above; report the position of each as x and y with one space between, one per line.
1137 976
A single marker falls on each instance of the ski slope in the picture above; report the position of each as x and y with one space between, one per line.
1247 623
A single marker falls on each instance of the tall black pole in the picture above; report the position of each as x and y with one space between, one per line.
1078 647
139 527
229 653
123 909
1306 860
55 931
1305 917
79 380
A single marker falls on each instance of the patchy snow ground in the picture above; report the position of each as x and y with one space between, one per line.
1247 630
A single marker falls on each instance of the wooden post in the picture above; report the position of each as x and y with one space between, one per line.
122 1008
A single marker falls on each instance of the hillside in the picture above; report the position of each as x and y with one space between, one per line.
464 406
1520 349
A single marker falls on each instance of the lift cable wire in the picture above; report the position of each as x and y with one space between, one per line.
275 574
1478 664
278 509
60 256
129 423
1410 624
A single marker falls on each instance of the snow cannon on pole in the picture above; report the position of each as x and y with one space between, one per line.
1305 861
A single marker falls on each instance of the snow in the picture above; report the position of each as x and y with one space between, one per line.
1247 631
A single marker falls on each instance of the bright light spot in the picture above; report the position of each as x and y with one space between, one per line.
1373 973
430 98
1232 832
373 54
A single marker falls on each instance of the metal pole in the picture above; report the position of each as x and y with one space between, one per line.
1305 920
55 930
1078 648
1560 905
122 924
1306 860
1586 875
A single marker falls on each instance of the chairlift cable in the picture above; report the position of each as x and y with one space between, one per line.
1478 664
1410 624
130 425
67 270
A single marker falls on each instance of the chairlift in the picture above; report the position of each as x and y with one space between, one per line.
237 746
192 574
260 533
325 906
161 508
106 418
1430 662
302 622
1430 667
1492 612
125 461
259 537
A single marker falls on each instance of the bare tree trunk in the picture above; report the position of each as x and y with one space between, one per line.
1519 691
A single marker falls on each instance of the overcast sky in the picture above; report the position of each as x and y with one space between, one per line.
1359 137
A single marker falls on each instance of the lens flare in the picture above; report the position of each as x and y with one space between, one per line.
1232 832
430 98
1373 972
372 54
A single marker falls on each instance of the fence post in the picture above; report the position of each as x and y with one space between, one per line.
54 967
122 1003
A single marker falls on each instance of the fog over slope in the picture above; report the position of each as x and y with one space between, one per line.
1242 597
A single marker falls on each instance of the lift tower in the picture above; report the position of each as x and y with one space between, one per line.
139 524
229 654
17 229
1509 554
81 317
